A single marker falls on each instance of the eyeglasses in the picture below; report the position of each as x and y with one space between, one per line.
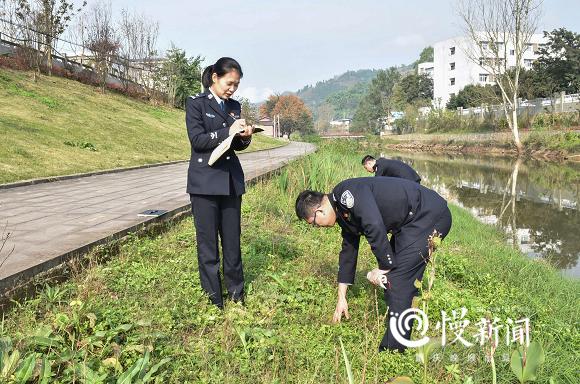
314 218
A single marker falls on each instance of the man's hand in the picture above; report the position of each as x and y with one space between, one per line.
341 307
378 277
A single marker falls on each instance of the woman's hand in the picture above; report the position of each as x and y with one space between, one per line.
248 131
239 126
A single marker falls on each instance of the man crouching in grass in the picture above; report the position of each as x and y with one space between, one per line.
374 206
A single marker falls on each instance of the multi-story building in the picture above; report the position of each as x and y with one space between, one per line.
426 68
454 67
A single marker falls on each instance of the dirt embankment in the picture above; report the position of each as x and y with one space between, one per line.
494 144
482 149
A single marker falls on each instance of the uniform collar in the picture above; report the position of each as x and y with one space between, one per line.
215 105
340 211
217 99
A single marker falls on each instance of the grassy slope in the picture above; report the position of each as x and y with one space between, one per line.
284 334
36 119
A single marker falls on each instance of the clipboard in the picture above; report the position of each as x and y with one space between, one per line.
225 146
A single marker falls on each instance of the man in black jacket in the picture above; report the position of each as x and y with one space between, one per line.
389 167
373 207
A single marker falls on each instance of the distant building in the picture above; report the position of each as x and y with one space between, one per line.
426 68
267 125
453 69
341 123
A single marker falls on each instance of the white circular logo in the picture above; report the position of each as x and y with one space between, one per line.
347 199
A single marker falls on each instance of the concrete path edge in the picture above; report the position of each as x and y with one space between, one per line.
12 286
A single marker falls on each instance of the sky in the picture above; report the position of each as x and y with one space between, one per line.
283 45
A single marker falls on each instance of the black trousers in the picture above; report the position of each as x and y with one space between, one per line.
411 263
213 215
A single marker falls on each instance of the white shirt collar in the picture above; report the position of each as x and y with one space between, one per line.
219 100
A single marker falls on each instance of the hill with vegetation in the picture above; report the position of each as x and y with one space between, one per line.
315 95
56 126
341 96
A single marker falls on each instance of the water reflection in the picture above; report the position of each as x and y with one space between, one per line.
535 202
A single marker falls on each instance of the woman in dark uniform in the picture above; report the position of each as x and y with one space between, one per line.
216 191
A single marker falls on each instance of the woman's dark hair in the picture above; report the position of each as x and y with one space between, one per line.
221 67
367 158
307 202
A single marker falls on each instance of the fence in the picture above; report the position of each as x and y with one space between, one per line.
561 103
140 75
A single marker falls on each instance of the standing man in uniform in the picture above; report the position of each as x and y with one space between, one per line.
390 167
373 207
216 191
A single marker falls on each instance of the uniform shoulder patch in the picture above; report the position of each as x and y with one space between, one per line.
347 199
196 96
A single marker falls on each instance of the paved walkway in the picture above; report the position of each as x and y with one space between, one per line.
50 222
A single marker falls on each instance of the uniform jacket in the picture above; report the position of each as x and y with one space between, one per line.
207 127
373 206
395 168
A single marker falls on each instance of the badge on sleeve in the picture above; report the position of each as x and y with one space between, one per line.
347 199
210 115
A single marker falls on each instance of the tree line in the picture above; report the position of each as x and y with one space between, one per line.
125 45
392 91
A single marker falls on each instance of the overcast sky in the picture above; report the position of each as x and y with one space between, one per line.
284 45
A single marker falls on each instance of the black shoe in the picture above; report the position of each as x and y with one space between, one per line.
238 300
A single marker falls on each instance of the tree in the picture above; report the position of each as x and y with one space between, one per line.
180 76
474 96
377 102
31 40
492 26
138 39
268 106
294 114
250 111
102 39
46 20
559 60
54 17
427 55
413 89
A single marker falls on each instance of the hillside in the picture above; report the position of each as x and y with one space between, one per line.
58 126
315 95
342 93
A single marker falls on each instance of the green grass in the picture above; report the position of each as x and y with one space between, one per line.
37 120
568 142
148 298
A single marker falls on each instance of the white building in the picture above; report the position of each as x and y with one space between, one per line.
453 69
426 68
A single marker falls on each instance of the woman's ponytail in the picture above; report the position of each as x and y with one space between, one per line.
206 79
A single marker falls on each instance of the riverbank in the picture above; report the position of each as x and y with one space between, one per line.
146 302
550 145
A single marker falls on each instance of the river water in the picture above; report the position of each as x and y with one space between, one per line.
535 202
